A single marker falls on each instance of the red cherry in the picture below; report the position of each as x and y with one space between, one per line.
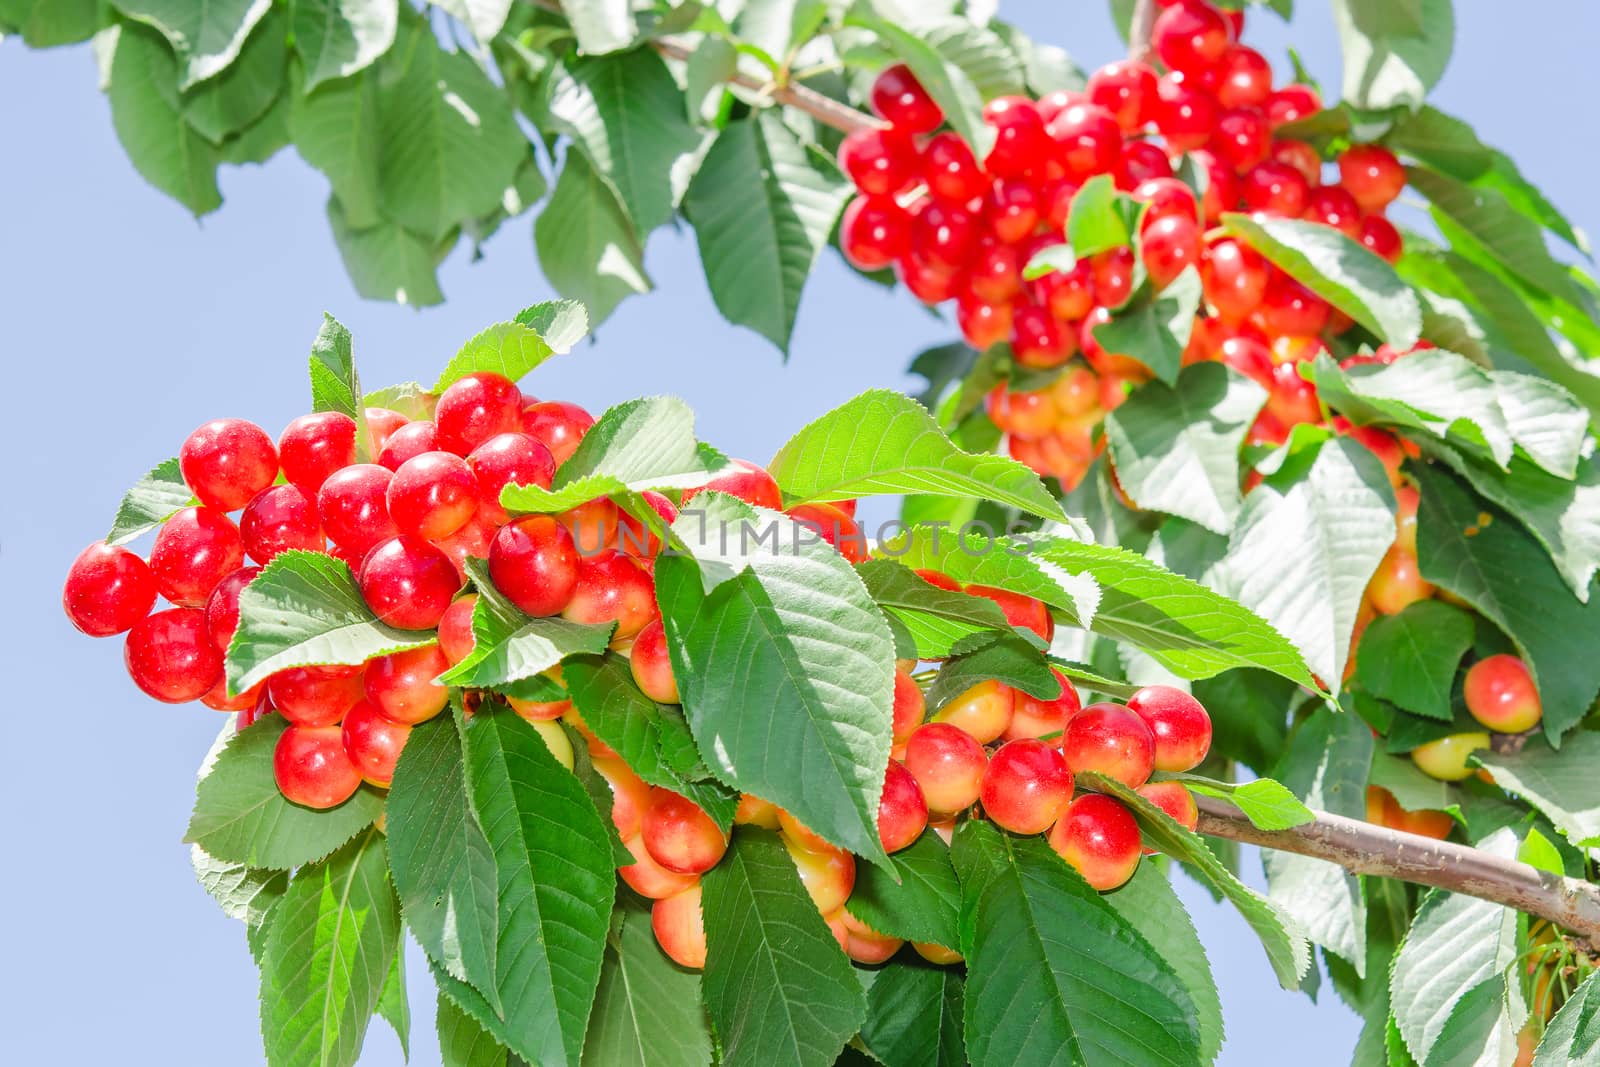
835 527
745 480
1142 161
1111 740
1090 140
1069 295
680 928
108 589
1023 612
595 526
195 549
902 810
354 507
470 542
1288 307
557 425
1013 211
222 608
1292 400
313 769
316 695
900 100
1245 79
1179 723
944 235
613 588
408 583
1113 276
1099 837
1037 339
314 446
1184 114
228 461
534 563
169 655
373 743
874 232
948 765
679 835
1501 694
1242 138
402 686
1222 185
381 425
432 495
1332 206
474 408
996 271
879 162
1379 237
1291 104
508 459
1033 717
652 665
910 707
1299 155
928 282
1168 245
1021 145
983 323
1055 102
1190 36
1126 89
409 441
278 519
1026 786
1234 277
1372 175
1175 799
648 878
951 171
456 639
1274 188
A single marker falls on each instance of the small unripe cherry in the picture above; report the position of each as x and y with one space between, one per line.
409 441
534 563
1178 722
432 495
1035 717
611 587
652 666
902 810
948 766
1446 758
753 811
317 695
354 507
828 874
647 877
1099 837
1110 740
1023 612
680 928
280 518
401 685
408 583
108 589
373 742
1371 175
508 459
679 835
222 607
313 769
899 99
314 446
982 711
476 407
169 655
195 550
910 707
1501 695
1026 786
228 461
1174 799
1398 582
558 425
630 795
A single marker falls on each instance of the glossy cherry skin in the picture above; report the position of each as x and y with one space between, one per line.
679 835
169 655
475 408
432 495
1446 758
557 425
1021 144
534 562
1175 799
1033 717
1184 114
948 765
373 742
745 480
222 607
381 425
984 323
1099 837
1299 155
902 809
354 507
1379 236
910 707
316 695
1398 582
108 589
1023 612
1501 694
194 550
944 235
314 446
898 98
613 588
1012 211
982 711
1178 722
1026 786
879 162
401 685
1126 89
680 928
456 639
279 519
228 461
1245 79
829 522
1190 36
630 796
1274 188
1290 309
312 767
951 171
1171 244
408 583
412 439
1291 104
1332 206
1371 175
828 873
1088 140
1242 139
1234 278
1110 740
652 666
508 459
874 232
647 877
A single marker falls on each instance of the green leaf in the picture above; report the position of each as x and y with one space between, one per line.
1009 658
1500 570
969 555
1148 903
1388 60
978 52
1153 327
337 38
936 618
50 23
794 633
602 26
778 990
393 1005
389 262
883 442
556 884
1548 423
626 113
1572 1038
924 905
647 1011
509 645
153 500
587 247
1266 802
1561 784
1413 790
1281 938
483 17
1249 710
335 386
306 608
443 867
1095 224
1334 504
949 86
241 817
1177 449
1339 270
1410 659
640 443
762 204
1326 763
206 37
336 129
914 1014
1054 973
1538 852
463 1042
328 950
1050 260
148 115
241 94
652 739
408 398
513 349
243 893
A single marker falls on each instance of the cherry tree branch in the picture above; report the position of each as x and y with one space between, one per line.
1363 848
824 109
1139 27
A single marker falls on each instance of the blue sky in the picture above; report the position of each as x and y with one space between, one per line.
124 324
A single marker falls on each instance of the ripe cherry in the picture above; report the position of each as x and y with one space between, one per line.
1026 786
595 525
984 323
1166 197
1371 175
950 170
557 425
652 665
354 507
902 810
401 685
474 408
1141 161
1174 799
314 446
1088 139
1178 722
1299 155
1291 399
830 523
1332 206
108 589
456 639
1222 185
611 587
1242 138
629 795
944 235
1398 582
1037 339
432 495
879 162
753 811
983 711
313 769
1126 89
508 459
1245 79
280 518
169 655
1291 104
1379 236
874 232
1021 145
745 480
222 607
1274 188
948 765
1110 740
1099 837
195 549
828 873
373 742
228 461
680 928
1501 695
1023 612
410 440
1069 295
862 943
899 99
910 707
1234 278
1033 717
408 583
647 877
679 835
534 563
1190 36
381 425
316 695
1168 246
1184 114
1289 308
1012 213
1112 271
928 282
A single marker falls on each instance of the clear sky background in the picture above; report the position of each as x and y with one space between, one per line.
124 324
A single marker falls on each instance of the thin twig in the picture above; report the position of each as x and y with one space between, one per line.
1363 848
1139 27
824 109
